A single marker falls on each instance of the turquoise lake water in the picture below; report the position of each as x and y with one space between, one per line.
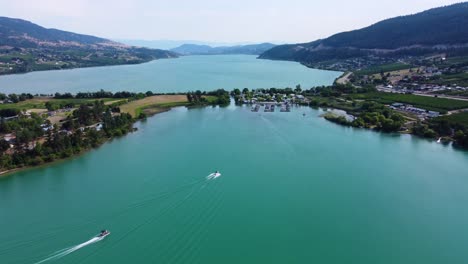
172 75
294 189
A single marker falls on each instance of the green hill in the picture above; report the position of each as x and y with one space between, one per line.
435 30
25 46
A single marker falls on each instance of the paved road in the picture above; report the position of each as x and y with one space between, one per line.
443 96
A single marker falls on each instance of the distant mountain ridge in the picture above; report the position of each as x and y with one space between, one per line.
443 28
25 46
24 34
171 44
194 49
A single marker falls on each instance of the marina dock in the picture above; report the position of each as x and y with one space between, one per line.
270 107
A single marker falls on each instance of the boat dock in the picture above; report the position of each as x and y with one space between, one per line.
255 108
270 107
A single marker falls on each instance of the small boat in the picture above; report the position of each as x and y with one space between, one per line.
103 234
213 175
438 141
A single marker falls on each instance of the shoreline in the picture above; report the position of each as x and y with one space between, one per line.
7 173
445 140
87 67
10 172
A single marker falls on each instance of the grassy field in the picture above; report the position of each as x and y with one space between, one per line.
384 68
211 99
39 103
334 103
153 104
428 103
149 104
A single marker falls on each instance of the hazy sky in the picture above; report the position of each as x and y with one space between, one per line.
212 20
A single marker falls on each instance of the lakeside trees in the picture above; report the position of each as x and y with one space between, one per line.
15 98
376 117
102 94
371 112
217 97
36 141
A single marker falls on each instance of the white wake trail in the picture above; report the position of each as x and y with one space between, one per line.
62 253
213 176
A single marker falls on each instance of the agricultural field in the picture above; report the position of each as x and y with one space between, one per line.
383 68
157 103
429 103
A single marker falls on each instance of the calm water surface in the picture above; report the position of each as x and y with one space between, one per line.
293 189
172 75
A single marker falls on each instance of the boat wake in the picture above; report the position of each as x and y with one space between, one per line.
193 186
213 176
64 252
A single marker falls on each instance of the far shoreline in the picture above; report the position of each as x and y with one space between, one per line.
89 67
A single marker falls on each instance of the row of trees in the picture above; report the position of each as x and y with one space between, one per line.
15 98
200 98
433 130
271 91
102 94
337 90
373 115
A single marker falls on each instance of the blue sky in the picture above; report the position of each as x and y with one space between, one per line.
212 20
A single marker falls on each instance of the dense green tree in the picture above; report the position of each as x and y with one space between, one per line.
461 138
14 98
298 89
4 145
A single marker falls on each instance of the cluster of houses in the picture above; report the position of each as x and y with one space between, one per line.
11 137
419 112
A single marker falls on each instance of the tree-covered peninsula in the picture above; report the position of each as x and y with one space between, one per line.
38 129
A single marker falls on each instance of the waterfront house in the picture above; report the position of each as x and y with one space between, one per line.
397 105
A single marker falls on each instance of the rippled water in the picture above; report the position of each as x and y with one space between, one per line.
172 75
293 189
